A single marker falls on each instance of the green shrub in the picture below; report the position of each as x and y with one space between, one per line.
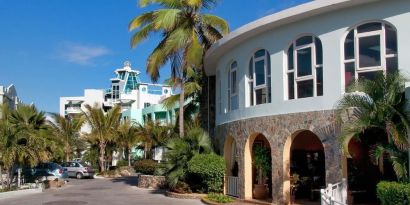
209 169
219 198
122 163
146 166
395 193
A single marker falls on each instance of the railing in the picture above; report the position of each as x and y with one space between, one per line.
232 188
334 194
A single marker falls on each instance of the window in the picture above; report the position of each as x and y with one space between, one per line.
259 78
368 49
115 92
147 104
233 87
305 68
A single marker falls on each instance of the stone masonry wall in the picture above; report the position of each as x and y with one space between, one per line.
277 129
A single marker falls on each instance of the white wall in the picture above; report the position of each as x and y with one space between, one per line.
331 29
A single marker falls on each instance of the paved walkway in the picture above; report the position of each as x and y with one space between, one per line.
98 192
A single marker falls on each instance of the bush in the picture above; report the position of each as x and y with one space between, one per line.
219 198
146 166
209 169
122 163
395 193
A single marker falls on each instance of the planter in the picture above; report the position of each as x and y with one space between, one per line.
260 191
150 181
184 196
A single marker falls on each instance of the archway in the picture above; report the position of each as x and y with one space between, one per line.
362 172
304 167
232 169
257 178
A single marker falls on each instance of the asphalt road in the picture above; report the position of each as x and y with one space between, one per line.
122 191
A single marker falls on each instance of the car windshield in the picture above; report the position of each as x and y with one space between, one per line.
83 164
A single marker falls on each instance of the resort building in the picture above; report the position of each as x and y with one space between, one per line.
277 81
8 96
139 101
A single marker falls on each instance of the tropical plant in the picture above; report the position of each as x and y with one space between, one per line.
25 139
261 160
127 137
68 131
181 150
377 104
103 128
209 171
153 133
187 33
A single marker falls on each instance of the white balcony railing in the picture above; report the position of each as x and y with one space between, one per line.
334 194
73 110
232 186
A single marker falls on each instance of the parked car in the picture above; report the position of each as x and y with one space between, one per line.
49 169
79 170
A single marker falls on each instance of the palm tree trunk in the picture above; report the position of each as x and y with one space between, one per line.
67 157
129 157
101 157
18 176
181 110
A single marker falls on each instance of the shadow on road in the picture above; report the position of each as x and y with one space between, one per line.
131 180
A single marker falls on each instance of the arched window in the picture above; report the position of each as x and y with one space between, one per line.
368 49
233 87
305 68
259 78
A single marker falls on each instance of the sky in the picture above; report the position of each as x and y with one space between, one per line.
55 48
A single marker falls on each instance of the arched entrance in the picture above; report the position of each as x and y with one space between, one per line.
232 168
258 168
304 167
362 172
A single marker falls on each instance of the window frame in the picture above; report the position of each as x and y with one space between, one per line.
267 75
295 69
356 55
233 70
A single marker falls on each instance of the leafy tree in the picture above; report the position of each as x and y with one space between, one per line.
127 137
68 131
186 34
103 128
378 104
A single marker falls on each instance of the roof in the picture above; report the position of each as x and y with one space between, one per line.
273 21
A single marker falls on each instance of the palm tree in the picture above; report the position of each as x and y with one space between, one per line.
25 138
103 127
67 130
152 134
127 137
377 104
187 34
181 150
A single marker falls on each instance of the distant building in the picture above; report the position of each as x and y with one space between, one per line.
139 101
8 95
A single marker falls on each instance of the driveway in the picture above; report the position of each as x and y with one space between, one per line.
120 191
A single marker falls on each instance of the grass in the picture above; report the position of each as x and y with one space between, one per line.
219 198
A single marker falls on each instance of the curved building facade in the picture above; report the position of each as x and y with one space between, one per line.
278 80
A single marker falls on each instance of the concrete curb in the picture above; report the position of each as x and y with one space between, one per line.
19 193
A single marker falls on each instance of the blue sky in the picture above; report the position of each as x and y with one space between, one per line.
53 48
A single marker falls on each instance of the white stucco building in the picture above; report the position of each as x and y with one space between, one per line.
8 95
277 81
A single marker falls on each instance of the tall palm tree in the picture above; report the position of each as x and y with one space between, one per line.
187 34
68 131
103 127
127 137
377 104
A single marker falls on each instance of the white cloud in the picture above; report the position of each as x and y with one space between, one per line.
80 53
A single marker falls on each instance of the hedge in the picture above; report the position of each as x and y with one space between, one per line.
210 169
146 166
393 193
